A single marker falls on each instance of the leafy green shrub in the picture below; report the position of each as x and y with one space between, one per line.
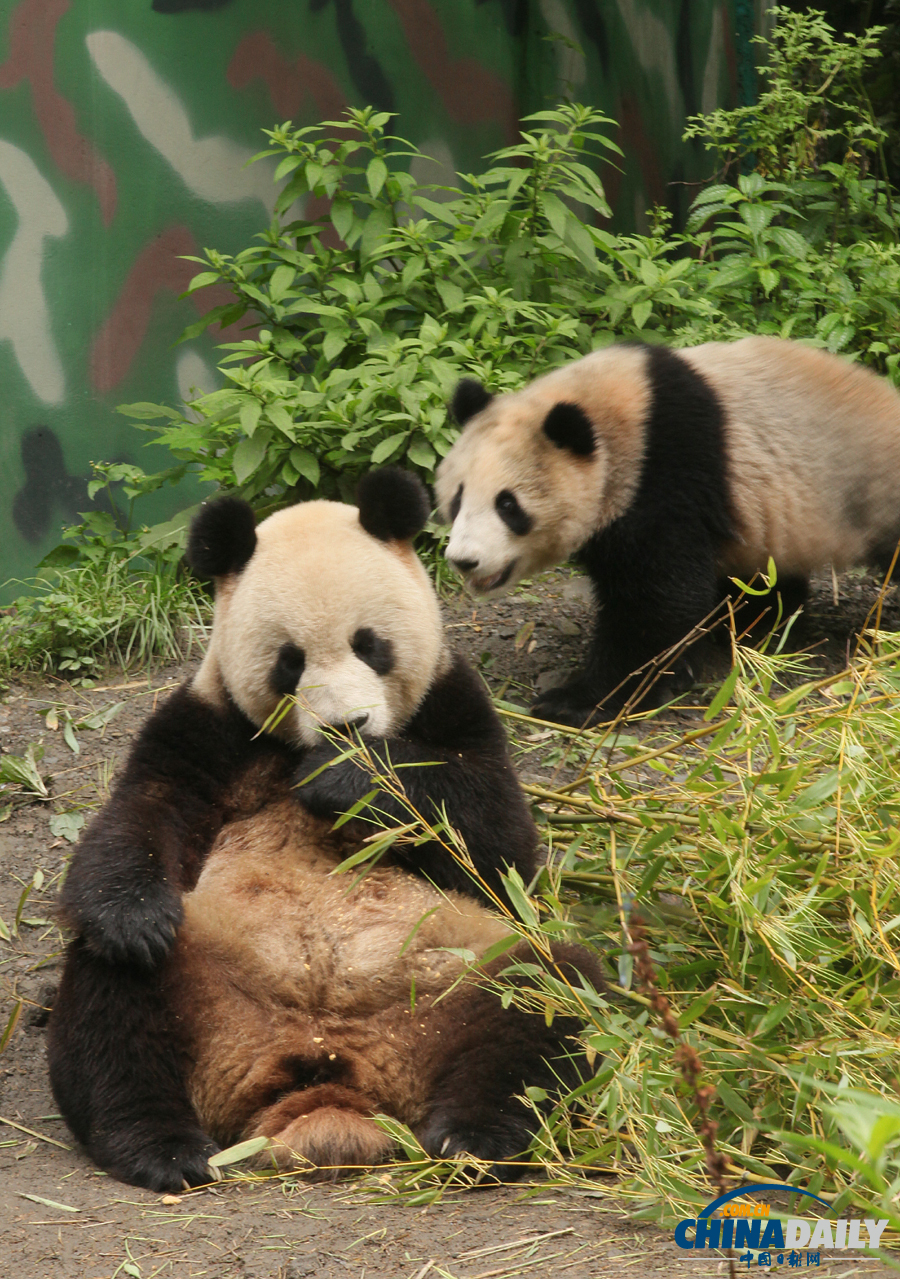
805 244
372 313
363 343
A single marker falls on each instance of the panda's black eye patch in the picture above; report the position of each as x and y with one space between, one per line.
285 674
374 650
511 513
456 503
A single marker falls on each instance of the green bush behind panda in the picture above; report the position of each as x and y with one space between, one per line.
671 471
222 983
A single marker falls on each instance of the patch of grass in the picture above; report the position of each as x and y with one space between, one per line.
84 616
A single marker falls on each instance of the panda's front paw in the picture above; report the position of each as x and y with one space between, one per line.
164 1161
576 705
133 925
326 784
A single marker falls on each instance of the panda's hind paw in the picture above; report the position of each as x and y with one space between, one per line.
575 705
502 1145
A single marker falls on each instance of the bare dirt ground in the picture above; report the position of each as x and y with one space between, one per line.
60 1217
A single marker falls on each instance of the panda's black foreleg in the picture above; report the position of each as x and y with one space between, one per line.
117 1075
656 594
452 759
122 893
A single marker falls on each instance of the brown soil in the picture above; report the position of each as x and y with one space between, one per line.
94 1228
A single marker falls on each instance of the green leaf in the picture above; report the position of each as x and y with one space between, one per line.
712 195
790 241
388 447
70 739
287 165
521 902
768 279
334 343
242 1150
756 217
249 415
66 826
376 175
555 212
248 455
641 312
282 279
203 280
342 216
280 417
48 1203
450 294
723 696
60 557
734 1102
774 1017
21 770
499 948
375 233
697 1008
145 412
421 454
412 270
306 465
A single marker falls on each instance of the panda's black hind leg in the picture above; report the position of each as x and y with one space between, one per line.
490 1055
756 616
116 1073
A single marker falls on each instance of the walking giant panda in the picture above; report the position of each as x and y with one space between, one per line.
671 471
222 981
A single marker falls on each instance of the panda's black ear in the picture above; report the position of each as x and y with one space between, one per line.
222 537
469 398
393 504
569 428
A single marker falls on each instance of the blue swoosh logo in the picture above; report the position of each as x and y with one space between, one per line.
775 1185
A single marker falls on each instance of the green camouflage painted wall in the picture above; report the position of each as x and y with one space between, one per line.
124 127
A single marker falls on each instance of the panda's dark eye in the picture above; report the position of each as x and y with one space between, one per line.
511 513
456 503
285 674
373 650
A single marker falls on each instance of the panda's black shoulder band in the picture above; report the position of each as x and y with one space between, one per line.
222 537
469 398
393 504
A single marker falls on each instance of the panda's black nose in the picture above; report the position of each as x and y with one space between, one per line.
465 566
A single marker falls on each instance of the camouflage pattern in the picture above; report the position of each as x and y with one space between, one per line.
125 128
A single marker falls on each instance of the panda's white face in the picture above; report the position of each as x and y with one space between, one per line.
347 626
517 503
489 541
535 473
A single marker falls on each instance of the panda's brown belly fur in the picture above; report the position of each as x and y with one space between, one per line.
288 979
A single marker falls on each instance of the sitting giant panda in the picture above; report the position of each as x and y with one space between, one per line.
671 471
222 982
